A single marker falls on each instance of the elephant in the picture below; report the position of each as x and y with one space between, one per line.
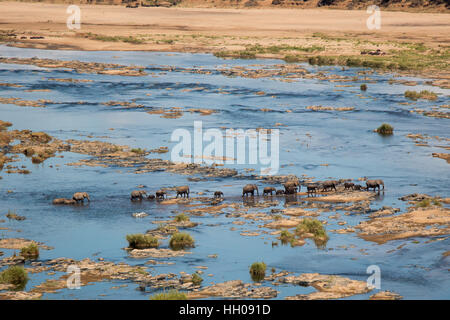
291 190
380 182
151 197
348 185
80 196
183 191
292 184
218 194
357 187
250 188
279 192
330 184
374 184
268 190
138 194
312 188
160 194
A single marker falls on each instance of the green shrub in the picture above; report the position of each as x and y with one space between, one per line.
138 150
286 236
314 226
142 241
181 218
196 279
428 202
385 129
424 94
258 271
170 295
181 240
16 276
30 252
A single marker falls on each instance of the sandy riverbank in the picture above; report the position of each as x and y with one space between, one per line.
303 33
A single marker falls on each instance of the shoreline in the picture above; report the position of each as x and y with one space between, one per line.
411 44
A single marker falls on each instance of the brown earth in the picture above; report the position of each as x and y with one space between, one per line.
340 32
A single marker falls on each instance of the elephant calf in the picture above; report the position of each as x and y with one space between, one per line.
312 188
183 191
218 194
279 192
268 190
138 194
357 187
80 196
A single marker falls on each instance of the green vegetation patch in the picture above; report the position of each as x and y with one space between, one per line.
16 276
170 295
181 240
142 241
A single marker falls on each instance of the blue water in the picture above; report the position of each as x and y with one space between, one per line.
343 140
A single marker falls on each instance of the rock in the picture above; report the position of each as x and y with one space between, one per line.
234 289
156 253
327 286
422 222
139 214
386 295
63 201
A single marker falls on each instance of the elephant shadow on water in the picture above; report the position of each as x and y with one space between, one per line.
379 196
250 201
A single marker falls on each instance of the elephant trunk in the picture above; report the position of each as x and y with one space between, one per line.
257 192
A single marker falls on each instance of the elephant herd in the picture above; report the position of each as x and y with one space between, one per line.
290 187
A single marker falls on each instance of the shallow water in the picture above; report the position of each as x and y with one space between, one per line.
343 140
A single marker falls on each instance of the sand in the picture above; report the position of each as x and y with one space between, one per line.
49 20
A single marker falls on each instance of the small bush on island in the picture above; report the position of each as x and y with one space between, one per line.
181 240
142 241
424 94
30 252
181 218
286 237
428 203
385 129
314 226
258 271
196 279
170 295
16 276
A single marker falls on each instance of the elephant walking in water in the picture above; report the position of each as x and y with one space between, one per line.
374 184
331 184
250 188
218 194
183 191
138 194
160 194
268 190
80 196
291 187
